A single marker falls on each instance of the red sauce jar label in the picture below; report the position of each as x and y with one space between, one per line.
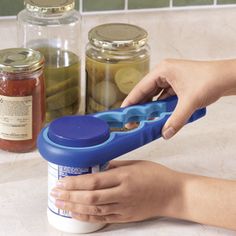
16 118
22 98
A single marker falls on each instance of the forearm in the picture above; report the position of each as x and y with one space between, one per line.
226 76
206 200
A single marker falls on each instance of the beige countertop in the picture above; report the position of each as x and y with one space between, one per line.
207 147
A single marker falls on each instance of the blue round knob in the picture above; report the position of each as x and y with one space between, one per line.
78 131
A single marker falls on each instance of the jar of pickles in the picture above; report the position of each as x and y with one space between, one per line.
117 58
53 28
22 98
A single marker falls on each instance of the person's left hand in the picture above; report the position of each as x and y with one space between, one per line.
128 191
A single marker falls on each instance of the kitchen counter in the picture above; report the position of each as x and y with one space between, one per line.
207 147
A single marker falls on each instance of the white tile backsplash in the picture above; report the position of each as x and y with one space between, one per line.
8 35
194 34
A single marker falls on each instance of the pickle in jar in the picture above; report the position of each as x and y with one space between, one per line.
106 93
116 105
93 106
61 86
62 99
60 64
101 70
70 110
108 82
95 70
62 73
126 78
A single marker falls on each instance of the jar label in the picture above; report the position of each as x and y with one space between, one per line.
15 118
56 172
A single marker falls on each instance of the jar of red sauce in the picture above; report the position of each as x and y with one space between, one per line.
22 98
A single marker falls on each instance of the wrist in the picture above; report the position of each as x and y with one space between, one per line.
176 196
182 188
226 76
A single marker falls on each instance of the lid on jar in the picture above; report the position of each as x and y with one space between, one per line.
118 36
49 6
78 131
20 60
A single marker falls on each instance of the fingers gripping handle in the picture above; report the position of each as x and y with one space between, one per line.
152 130
117 118
148 130
164 105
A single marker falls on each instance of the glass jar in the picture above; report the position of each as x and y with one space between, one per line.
117 58
53 28
22 99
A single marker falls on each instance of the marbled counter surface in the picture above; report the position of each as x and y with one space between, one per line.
207 147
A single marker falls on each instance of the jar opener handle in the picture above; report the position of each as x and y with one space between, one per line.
148 130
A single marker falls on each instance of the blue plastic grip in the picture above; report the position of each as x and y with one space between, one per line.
148 130
117 118
151 117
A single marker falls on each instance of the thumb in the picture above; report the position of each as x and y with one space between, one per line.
178 119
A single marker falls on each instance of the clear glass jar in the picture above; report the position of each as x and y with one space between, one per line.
117 58
22 98
53 28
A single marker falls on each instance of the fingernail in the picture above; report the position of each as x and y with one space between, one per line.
60 184
54 193
60 204
168 133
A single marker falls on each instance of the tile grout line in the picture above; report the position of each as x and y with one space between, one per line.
126 5
164 9
81 7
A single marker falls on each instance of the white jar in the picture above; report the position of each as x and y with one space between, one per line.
61 219
67 144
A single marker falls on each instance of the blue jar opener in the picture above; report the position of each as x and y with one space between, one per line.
86 141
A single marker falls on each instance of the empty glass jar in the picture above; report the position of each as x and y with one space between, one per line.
117 58
53 28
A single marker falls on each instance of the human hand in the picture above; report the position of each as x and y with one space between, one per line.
196 83
137 190
128 191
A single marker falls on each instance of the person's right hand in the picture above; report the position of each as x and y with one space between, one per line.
196 83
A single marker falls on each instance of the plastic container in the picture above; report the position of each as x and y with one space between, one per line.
53 28
117 58
61 219
22 99
69 133
75 145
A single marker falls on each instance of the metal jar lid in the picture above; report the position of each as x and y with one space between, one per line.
16 60
118 36
49 6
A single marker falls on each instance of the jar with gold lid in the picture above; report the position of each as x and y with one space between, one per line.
53 28
117 58
22 98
